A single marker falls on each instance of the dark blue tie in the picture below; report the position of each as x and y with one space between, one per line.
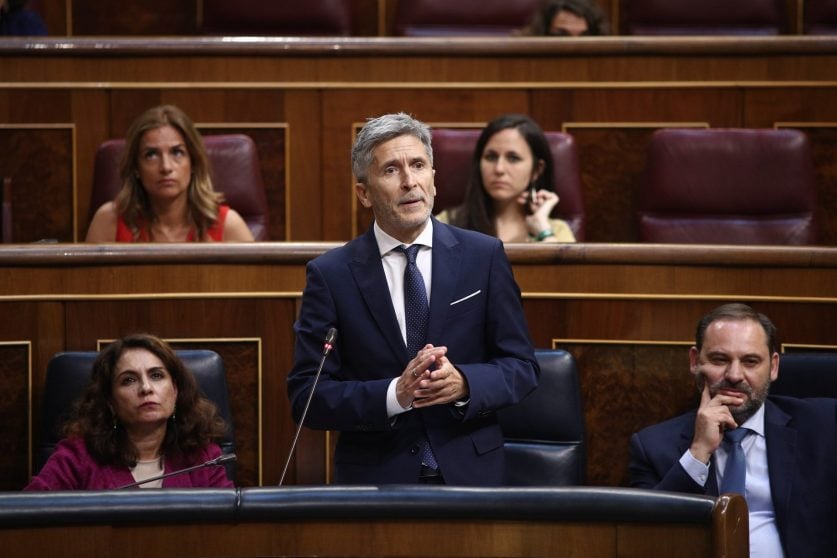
417 314
416 310
735 472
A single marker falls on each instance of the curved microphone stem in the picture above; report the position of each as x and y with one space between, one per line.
220 460
327 346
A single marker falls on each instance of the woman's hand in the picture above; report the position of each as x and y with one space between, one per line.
541 206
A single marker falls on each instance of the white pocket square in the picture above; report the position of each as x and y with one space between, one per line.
473 294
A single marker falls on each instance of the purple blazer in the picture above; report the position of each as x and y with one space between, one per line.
71 467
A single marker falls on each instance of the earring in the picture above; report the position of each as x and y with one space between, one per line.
174 414
114 423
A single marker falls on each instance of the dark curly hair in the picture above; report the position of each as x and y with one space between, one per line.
196 423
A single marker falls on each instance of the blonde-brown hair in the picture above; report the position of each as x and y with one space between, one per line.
132 201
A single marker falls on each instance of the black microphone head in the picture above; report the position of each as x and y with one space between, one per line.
331 336
225 458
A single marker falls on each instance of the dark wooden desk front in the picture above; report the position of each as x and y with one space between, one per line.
373 521
627 312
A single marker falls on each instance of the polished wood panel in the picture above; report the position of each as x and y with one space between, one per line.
14 404
627 312
373 521
149 17
39 160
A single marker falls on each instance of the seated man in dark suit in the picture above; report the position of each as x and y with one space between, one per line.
785 464
432 337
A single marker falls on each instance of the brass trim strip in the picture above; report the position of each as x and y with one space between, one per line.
525 294
815 124
616 125
492 85
145 296
806 346
651 296
556 340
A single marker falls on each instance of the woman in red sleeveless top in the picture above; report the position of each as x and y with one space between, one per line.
167 193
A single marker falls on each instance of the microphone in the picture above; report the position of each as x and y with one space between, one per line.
331 336
220 460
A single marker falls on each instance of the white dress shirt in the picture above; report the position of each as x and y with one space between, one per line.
764 536
394 265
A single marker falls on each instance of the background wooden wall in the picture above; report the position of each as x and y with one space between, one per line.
302 100
626 312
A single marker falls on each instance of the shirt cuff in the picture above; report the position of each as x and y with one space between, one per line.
696 469
394 408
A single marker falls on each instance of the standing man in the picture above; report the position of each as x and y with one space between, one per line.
785 459
432 337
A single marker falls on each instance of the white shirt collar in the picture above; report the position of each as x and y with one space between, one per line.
387 243
756 422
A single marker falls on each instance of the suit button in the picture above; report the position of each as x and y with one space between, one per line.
414 450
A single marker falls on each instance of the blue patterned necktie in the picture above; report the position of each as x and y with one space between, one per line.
416 310
417 314
735 472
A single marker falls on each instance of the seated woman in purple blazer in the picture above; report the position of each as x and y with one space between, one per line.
141 416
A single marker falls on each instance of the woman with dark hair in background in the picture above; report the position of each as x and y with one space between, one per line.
167 193
510 193
141 416
567 18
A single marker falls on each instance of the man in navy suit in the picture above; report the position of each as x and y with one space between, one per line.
790 445
424 415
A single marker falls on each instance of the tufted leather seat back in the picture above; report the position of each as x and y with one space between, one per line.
728 186
257 17
545 432
427 18
708 17
820 17
806 374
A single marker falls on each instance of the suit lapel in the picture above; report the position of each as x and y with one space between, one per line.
781 449
368 273
447 261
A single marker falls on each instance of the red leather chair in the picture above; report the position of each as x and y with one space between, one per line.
235 168
707 17
820 17
257 17
728 186
427 18
452 152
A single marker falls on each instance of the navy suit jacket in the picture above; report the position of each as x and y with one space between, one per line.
801 438
475 311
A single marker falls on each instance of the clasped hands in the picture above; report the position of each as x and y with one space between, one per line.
430 379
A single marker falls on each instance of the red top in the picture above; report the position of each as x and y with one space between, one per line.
71 467
215 232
